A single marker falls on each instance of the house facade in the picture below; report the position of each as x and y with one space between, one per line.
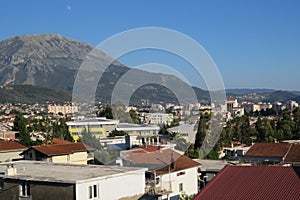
10 150
169 174
74 153
99 127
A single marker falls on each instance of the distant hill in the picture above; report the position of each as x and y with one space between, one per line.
273 96
52 61
32 94
248 91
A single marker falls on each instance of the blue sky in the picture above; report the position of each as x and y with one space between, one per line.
255 44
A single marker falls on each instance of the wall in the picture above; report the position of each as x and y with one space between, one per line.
114 187
4 156
189 180
38 190
79 158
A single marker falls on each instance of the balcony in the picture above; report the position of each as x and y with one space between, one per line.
158 189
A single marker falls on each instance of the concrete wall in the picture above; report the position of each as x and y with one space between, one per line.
114 187
4 156
189 181
79 158
75 158
38 190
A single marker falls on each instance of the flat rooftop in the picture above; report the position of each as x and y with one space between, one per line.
129 126
64 173
213 165
94 121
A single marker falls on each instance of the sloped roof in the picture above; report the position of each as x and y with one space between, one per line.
59 149
293 155
11 145
253 182
269 149
150 148
160 160
59 141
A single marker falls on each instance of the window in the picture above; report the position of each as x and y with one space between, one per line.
93 191
180 173
180 187
24 189
157 181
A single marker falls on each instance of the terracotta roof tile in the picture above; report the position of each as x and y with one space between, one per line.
161 160
11 145
59 141
253 182
293 155
269 149
60 149
150 148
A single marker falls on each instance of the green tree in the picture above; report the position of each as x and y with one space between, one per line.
134 116
201 133
105 112
20 124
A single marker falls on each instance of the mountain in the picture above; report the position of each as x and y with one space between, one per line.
52 61
32 94
272 96
243 91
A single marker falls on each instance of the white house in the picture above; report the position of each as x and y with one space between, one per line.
170 174
41 180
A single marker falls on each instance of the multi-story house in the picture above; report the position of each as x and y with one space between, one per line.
169 174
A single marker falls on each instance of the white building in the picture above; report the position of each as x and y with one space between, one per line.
158 118
170 174
40 180
187 131
99 127
64 109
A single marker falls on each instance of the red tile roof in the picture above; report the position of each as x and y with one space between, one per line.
293 156
60 149
150 148
253 182
11 145
59 141
161 160
269 149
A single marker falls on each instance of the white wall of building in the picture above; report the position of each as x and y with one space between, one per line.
114 187
189 181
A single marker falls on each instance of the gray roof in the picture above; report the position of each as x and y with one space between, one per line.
213 165
64 173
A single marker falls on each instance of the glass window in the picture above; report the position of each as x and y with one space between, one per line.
90 192
24 189
180 187
95 191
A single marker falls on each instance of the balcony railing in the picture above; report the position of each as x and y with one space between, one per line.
164 188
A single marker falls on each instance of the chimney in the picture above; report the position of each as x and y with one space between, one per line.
11 170
119 162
